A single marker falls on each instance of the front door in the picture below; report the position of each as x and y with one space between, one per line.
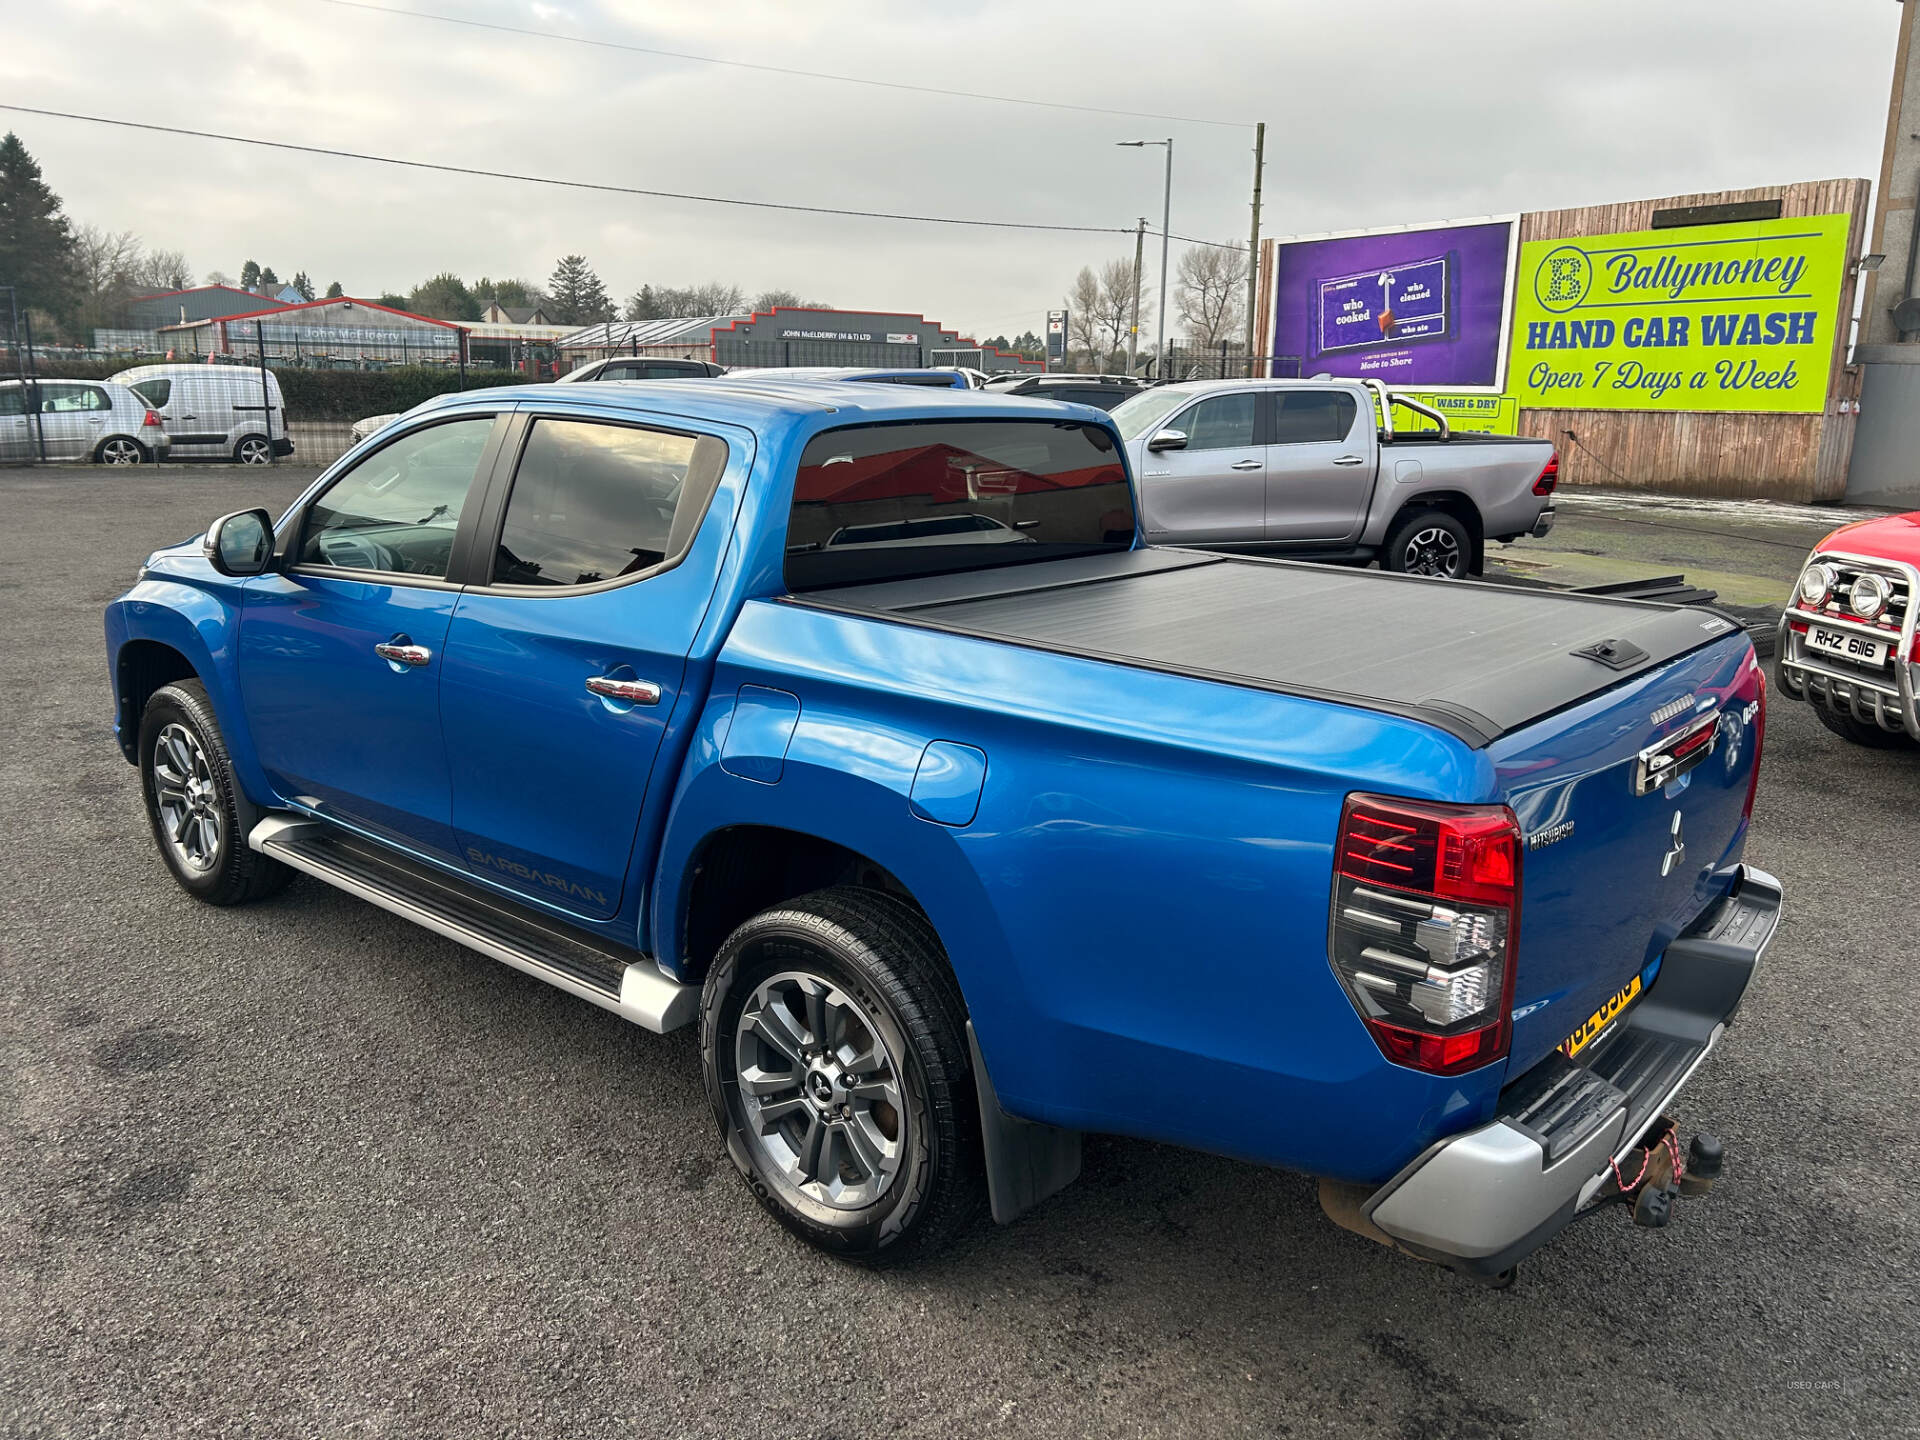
1213 490
340 651
562 670
1319 467
73 417
17 443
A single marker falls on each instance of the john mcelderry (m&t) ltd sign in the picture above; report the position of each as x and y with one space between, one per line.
1713 317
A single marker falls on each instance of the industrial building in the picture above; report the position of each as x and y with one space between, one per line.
785 337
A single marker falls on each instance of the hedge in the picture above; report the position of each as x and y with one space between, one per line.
323 394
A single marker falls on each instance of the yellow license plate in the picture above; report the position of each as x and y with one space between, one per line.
1601 1020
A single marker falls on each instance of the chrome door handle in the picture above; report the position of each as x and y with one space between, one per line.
1349 459
403 654
634 692
1246 465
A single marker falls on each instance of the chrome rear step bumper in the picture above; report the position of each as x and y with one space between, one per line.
1483 1200
547 949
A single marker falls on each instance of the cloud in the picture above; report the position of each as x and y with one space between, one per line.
1378 113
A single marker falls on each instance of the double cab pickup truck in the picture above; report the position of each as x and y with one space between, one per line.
1319 469
1847 640
707 705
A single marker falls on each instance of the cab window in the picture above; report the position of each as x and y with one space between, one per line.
1305 416
397 510
1223 422
594 502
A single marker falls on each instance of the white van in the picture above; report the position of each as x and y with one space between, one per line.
215 412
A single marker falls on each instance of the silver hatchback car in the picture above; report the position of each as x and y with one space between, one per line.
93 420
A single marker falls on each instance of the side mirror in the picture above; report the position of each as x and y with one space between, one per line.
240 544
1168 440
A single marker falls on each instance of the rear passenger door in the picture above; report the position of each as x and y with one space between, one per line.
17 437
567 655
73 417
1319 466
1214 490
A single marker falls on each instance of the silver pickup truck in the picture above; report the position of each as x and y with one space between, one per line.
1316 469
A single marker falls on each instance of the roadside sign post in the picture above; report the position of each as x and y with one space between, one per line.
1056 338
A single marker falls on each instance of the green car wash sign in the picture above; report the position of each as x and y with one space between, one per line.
1713 317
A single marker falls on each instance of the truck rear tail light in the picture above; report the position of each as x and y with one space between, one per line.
1549 477
1426 914
1759 735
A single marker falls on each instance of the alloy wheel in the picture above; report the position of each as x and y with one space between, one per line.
1433 551
820 1091
120 452
255 452
188 799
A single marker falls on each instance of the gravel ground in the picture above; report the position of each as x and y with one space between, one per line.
301 1169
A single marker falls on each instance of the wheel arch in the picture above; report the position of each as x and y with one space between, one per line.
1456 503
142 667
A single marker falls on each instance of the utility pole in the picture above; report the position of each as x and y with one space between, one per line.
1253 244
1133 330
1166 224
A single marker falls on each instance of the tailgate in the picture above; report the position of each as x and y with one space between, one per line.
1620 858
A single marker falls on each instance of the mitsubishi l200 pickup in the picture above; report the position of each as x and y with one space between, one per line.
857 726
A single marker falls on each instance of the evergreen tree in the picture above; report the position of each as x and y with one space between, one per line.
269 280
249 275
303 285
334 292
445 297
578 296
36 240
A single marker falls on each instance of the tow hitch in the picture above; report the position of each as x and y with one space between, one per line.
1653 1175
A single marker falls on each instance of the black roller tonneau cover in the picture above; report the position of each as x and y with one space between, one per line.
1475 660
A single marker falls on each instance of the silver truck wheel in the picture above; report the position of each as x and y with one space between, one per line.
833 1040
820 1091
1431 542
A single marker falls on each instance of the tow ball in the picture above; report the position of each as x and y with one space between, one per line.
1654 1174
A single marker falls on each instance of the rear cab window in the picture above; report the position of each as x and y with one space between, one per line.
918 498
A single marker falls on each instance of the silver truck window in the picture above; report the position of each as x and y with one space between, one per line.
1220 422
1306 416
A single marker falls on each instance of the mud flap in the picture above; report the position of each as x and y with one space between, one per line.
1026 1162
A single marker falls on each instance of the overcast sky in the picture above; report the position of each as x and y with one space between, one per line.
1377 114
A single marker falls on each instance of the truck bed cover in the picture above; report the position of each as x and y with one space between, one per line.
1475 660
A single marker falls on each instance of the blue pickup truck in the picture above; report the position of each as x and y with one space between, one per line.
856 725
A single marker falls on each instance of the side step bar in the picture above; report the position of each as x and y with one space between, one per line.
572 960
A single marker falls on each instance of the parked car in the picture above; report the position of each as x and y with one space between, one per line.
1316 469
374 424
216 412
976 379
95 420
956 851
641 367
1104 392
1847 638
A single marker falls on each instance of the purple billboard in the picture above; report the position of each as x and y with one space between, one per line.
1411 307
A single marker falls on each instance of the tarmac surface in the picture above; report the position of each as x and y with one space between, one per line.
302 1169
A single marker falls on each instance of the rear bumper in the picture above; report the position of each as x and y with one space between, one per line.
1542 525
1483 1200
283 446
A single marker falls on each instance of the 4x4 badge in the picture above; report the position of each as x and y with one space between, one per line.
1672 857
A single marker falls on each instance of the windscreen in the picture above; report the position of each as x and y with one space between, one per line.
894 502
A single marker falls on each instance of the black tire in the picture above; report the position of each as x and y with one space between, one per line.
1429 542
121 450
253 450
881 954
231 873
1860 732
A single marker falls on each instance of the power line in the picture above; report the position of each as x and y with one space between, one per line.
774 69
567 184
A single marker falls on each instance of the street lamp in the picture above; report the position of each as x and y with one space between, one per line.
1166 221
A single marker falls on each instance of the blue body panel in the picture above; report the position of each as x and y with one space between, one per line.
1131 870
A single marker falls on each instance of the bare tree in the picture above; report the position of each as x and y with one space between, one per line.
105 260
1211 292
1083 312
162 270
1116 304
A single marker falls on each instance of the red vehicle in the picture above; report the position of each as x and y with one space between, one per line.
1847 638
